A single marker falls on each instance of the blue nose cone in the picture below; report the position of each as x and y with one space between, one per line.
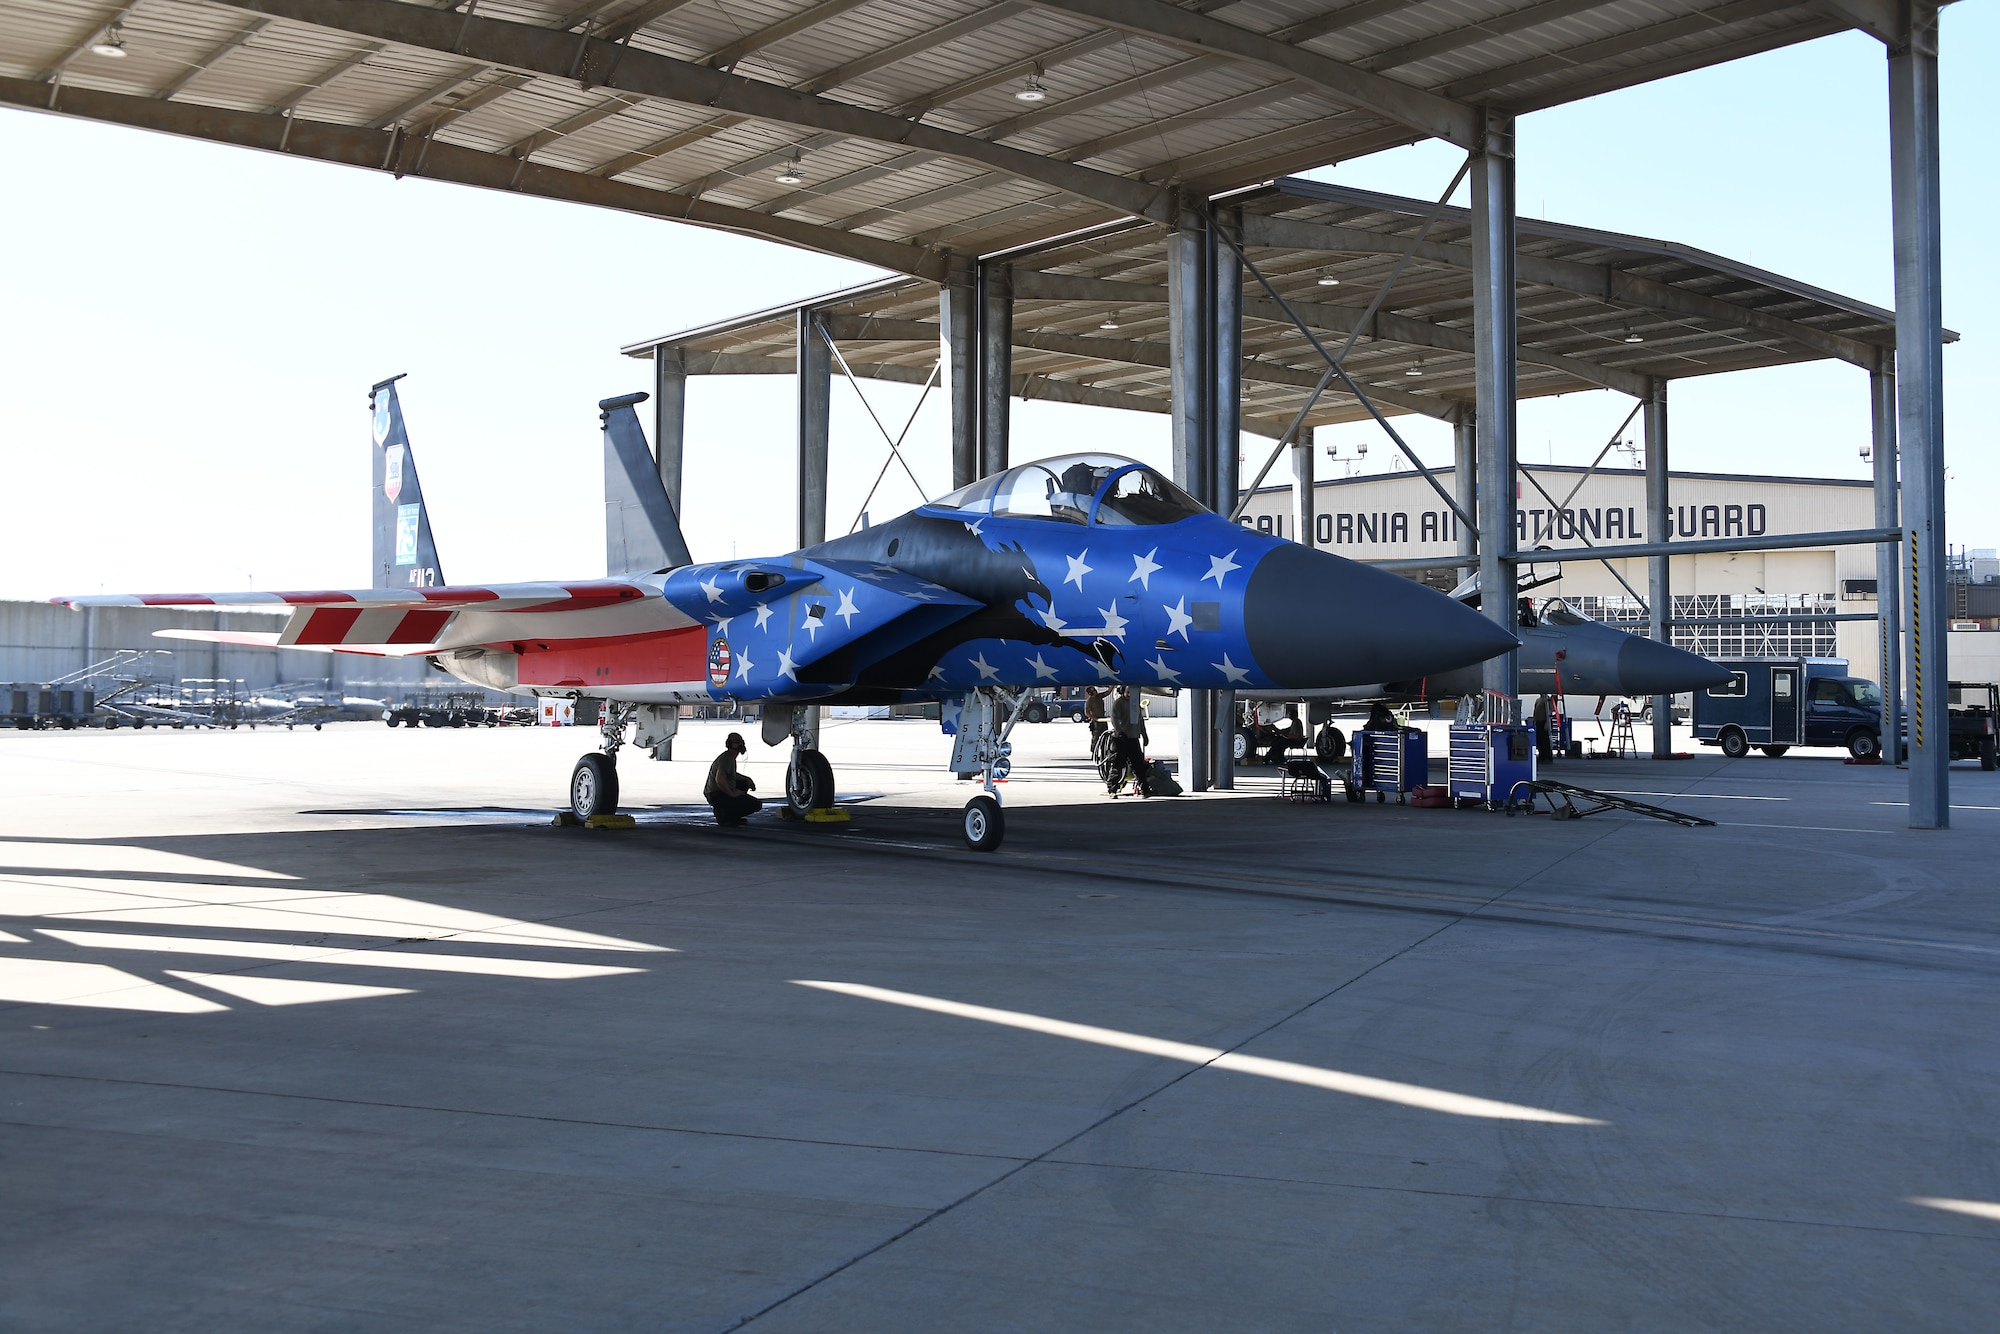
1316 620
1648 667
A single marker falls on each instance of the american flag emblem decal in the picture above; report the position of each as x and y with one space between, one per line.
718 663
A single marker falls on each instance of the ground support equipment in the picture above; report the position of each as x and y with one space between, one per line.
1563 799
1386 762
1308 780
1488 760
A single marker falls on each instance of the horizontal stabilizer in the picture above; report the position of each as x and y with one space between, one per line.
642 534
247 638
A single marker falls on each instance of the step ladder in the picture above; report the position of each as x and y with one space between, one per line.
1621 742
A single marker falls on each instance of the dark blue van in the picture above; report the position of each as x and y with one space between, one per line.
1777 703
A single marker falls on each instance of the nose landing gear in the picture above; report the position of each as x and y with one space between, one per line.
983 749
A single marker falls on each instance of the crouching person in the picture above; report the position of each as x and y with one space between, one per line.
728 792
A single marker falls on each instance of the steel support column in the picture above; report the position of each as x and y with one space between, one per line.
1302 490
1465 469
1888 573
1659 574
958 318
1228 451
1496 372
670 419
815 376
996 364
1915 210
1191 358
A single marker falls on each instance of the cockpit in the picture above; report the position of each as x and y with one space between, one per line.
1078 488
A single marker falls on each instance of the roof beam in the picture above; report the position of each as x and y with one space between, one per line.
413 155
1452 121
1880 19
595 62
1595 280
207 62
730 56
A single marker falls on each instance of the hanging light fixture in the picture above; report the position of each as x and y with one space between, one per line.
111 44
1110 321
791 175
1417 368
1326 278
1032 90
1633 335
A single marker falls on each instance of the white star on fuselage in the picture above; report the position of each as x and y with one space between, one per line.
1230 670
1051 620
1178 620
1167 673
710 587
1143 568
847 611
763 614
986 669
721 624
1042 669
743 666
972 525
1221 565
1114 624
812 624
1104 672
786 667
1077 569
936 674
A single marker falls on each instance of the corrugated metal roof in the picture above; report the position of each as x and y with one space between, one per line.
1609 310
1205 96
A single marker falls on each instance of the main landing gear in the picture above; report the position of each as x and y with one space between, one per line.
593 784
986 721
808 777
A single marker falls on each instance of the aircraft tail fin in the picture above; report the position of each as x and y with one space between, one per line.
405 553
642 533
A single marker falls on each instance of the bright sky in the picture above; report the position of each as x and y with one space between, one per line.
192 330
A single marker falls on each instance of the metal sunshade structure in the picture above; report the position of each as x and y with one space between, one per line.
929 137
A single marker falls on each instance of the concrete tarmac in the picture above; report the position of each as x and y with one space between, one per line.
332 1031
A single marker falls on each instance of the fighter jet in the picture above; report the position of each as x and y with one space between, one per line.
1563 652
1074 570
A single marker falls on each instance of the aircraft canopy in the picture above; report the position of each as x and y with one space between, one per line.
1078 488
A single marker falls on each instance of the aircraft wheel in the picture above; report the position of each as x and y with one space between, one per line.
1239 746
1734 744
1863 744
1774 751
593 786
1331 744
983 824
808 783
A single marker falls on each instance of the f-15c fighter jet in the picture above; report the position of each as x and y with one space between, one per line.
1083 569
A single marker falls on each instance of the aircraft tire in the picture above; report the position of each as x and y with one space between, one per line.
593 786
1774 751
1331 744
1734 744
983 824
808 783
1239 746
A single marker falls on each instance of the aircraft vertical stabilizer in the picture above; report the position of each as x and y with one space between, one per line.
641 531
405 554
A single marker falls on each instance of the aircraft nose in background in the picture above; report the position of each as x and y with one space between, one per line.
1315 619
1648 667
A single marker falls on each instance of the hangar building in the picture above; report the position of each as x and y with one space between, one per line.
1396 516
